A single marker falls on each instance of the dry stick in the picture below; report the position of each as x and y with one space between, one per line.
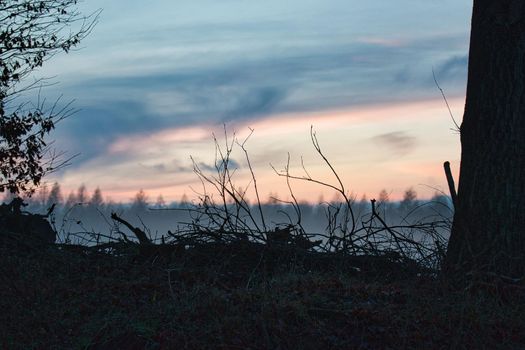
254 181
219 186
294 202
388 228
349 214
224 186
317 147
450 181
458 128
141 236
223 172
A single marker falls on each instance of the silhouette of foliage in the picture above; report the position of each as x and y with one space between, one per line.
30 33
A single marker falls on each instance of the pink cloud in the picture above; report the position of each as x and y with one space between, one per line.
347 137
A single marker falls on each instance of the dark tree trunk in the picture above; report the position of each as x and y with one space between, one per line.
488 233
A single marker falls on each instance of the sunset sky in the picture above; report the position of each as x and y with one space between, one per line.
153 82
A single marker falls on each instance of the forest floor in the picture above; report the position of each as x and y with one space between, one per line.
242 296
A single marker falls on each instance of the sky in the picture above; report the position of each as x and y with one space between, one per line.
153 83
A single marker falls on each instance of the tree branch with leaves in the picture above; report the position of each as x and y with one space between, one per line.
31 32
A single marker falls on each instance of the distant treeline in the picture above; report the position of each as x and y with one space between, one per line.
81 212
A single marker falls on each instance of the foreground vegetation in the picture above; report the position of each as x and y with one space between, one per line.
230 278
241 296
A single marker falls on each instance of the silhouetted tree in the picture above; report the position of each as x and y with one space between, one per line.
383 196
71 200
81 196
55 195
409 199
140 202
488 232
96 199
31 31
160 202
42 195
362 205
383 203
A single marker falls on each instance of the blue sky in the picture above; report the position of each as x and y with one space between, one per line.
167 74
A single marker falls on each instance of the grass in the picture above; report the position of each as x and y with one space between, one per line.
240 296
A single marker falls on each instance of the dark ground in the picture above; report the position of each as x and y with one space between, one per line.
241 296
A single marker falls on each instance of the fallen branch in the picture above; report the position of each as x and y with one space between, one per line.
141 235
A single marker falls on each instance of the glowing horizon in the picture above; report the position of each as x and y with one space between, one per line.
362 73
372 148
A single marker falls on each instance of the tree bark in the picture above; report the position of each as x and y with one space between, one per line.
488 231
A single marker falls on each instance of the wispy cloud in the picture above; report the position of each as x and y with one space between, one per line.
359 142
397 142
299 80
383 41
154 81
